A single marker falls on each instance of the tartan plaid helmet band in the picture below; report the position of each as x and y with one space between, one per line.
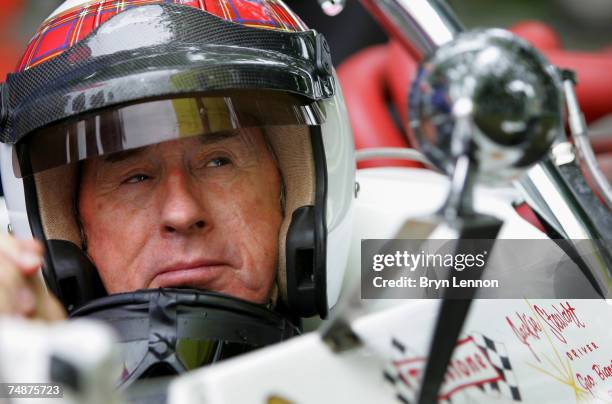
75 20
159 50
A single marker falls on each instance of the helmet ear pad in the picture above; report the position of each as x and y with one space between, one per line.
301 278
302 238
50 202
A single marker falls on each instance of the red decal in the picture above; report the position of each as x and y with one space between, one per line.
560 319
604 372
581 351
586 382
469 367
528 328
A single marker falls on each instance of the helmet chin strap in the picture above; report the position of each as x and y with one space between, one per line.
220 327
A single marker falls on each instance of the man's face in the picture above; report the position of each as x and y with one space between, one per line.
203 212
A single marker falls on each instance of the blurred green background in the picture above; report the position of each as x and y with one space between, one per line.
582 24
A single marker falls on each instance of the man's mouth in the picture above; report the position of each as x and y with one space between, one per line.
199 274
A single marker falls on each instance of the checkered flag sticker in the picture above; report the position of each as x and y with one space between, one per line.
406 387
498 356
406 392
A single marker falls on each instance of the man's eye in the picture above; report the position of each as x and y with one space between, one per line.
218 162
134 179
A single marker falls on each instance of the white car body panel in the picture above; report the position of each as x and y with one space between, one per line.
547 362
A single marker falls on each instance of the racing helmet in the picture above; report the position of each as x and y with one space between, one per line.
102 77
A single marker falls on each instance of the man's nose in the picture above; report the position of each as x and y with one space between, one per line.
182 209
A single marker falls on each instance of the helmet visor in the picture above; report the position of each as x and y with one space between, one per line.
138 125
